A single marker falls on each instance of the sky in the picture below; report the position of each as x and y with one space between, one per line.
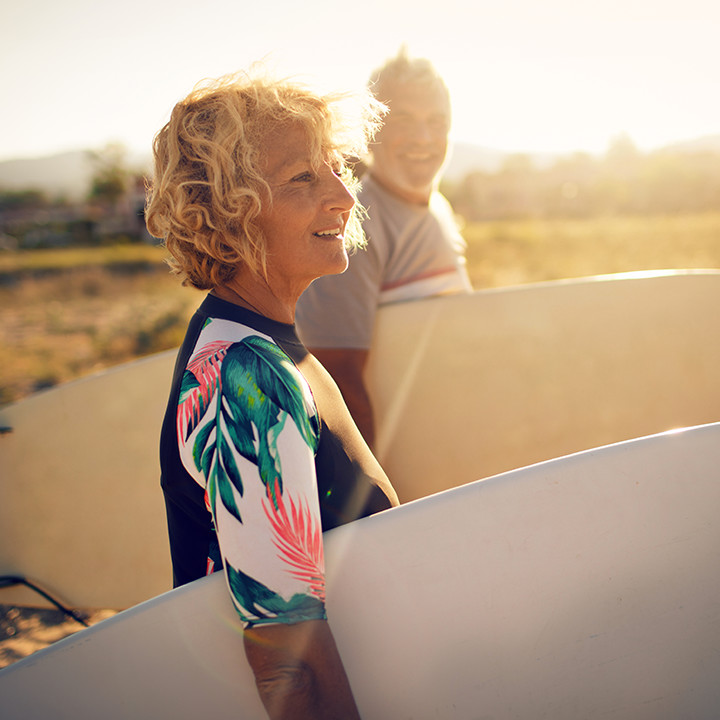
554 76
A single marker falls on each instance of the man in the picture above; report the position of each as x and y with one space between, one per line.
414 247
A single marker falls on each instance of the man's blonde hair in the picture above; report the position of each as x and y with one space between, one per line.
208 188
403 70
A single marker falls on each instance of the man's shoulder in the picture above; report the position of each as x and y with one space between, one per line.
386 215
372 192
369 190
439 204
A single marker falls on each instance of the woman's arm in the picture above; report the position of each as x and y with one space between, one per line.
299 673
253 447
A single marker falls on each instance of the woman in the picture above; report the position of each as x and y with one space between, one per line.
258 451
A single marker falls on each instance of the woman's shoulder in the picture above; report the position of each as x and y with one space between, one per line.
238 384
260 369
245 356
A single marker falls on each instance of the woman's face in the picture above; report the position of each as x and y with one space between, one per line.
304 224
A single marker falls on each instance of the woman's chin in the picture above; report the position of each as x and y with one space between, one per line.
331 263
339 264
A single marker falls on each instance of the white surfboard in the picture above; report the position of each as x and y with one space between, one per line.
81 510
469 386
583 587
463 387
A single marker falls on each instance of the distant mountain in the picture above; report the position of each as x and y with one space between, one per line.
66 174
707 143
466 157
69 174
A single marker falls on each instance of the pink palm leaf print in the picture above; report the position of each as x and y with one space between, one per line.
298 537
205 367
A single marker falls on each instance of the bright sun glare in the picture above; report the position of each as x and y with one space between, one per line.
557 76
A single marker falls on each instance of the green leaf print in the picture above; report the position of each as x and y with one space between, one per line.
189 383
258 380
266 605
260 387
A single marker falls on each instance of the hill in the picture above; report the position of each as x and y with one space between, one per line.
68 174
707 143
466 157
65 174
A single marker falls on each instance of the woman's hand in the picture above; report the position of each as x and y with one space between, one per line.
298 672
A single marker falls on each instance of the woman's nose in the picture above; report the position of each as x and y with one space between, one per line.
338 196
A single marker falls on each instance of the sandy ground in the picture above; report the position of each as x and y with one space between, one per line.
25 630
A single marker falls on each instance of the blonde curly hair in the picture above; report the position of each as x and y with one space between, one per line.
208 189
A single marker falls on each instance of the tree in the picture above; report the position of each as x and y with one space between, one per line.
111 176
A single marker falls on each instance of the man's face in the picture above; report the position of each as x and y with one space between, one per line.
411 146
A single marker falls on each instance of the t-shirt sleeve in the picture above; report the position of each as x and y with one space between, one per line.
338 311
248 432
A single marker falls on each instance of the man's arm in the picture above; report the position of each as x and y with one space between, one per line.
299 673
347 366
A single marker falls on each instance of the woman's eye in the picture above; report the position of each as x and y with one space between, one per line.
303 177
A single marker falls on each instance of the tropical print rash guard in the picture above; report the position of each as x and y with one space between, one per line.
240 452
241 401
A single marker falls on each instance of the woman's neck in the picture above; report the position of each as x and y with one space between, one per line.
255 294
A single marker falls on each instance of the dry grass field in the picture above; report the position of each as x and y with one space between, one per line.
60 320
67 313
519 252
